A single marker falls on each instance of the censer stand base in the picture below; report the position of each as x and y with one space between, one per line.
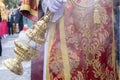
13 66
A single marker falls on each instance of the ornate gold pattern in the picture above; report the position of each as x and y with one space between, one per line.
78 77
94 41
89 38
83 3
86 45
59 76
73 60
86 42
56 63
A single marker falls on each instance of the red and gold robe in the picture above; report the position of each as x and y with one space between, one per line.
81 45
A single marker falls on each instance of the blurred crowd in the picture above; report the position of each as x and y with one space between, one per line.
11 21
8 23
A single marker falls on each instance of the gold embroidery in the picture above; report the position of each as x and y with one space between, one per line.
55 61
78 77
72 37
74 61
56 64
83 4
59 76
109 74
96 17
91 42
103 14
89 38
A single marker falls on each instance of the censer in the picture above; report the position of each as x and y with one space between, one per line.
23 50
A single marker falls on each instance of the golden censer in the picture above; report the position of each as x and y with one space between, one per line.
23 50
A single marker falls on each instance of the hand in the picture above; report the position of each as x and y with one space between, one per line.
55 5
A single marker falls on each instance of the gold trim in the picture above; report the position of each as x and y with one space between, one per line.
51 38
28 8
25 7
33 12
64 50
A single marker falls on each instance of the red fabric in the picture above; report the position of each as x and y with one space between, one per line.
37 65
3 28
89 45
0 30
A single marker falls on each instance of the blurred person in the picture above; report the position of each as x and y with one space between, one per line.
1 6
2 28
18 18
10 21
13 24
80 44
4 16
0 37
0 47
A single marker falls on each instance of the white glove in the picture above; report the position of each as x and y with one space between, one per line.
45 5
57 7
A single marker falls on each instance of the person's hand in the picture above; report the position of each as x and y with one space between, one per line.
56 7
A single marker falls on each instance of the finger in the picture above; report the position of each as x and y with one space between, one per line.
62 1
53 8
57 3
